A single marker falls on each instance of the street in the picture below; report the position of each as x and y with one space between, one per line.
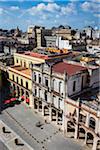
22 120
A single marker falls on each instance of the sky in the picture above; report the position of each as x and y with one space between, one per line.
49 13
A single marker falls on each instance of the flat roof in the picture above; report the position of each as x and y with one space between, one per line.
23 70
89 98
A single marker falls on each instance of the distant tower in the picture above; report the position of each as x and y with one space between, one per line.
17 32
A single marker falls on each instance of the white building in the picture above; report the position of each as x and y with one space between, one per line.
54 86
63 44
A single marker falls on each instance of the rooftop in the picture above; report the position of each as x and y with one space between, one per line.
32 54
70 69
22 70
89 98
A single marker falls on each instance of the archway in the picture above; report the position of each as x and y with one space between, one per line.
90 139
40 106
92 123
70 129
81 134
35 104
60 118
54 113
98 145
46 111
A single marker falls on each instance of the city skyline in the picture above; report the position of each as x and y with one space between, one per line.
48 13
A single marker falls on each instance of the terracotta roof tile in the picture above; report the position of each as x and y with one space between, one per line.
32 54
69 68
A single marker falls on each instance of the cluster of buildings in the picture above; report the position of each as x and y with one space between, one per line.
64 92
56 73
60 38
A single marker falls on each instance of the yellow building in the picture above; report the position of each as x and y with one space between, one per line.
20 74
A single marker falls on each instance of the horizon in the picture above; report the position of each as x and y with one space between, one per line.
49 13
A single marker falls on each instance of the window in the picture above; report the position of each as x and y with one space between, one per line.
45 95
21 82
34 76
14 87
92 123
60 87
39 92
26 84
53 83
53 99
17 60
21 63
27 94
17 79
25 64
82 118
35 92
59 100
74 86
46 81
13 77
39 78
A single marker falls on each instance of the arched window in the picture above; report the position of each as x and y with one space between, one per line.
39 78
17 79
16 60
13 77
53 83
35 92
60 83
34 76
26 84
24 64
21 63
59 103
27 94
21 82
92 123
46 81
45 95
39 92
74 86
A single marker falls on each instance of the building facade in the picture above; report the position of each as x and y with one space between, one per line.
20 75
54 87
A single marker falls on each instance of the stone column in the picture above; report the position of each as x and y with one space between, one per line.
97 125
63 122
87 120
85 141
77 120
31 100
50 114
65 125
94 144
42 109
57 117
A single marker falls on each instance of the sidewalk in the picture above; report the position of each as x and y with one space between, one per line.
47 136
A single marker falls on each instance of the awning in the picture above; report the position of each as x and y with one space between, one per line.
27 100
22 97
13 99
7 101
